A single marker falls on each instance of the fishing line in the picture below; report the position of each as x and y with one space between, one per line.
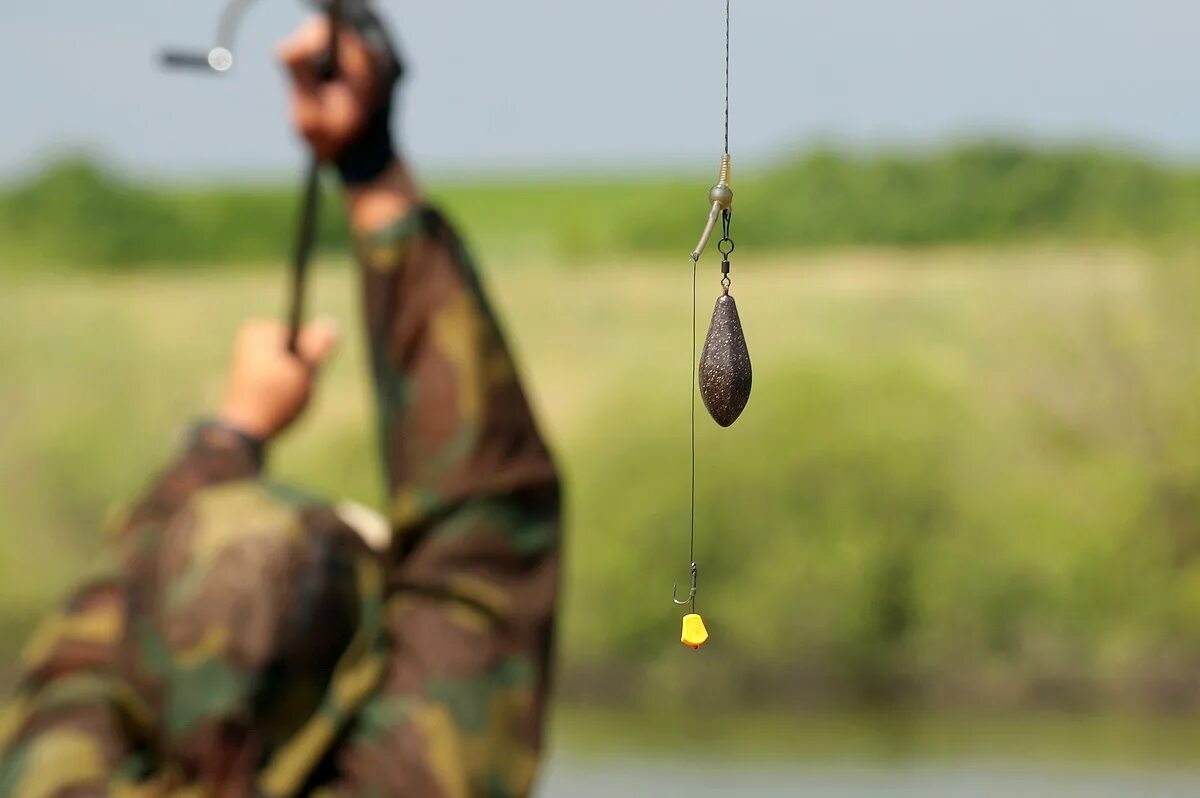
722 375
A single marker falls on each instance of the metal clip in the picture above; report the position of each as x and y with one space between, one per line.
721 197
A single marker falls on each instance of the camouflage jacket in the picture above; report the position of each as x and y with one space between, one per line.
252 643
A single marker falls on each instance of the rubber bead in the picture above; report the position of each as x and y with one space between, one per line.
694 633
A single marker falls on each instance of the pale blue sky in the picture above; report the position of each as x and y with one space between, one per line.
551 84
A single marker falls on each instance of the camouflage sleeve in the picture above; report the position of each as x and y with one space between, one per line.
454 421
64 732
473 580
469 629
71 727
239 615
213 455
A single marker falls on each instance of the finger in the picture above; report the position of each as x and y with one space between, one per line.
300 51
318 341
308 114
254 331
358 67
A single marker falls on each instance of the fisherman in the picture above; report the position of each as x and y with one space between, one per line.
257 641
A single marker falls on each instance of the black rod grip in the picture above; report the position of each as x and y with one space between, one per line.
306 234
186 59
310 204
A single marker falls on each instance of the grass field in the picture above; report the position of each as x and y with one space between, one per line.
965 475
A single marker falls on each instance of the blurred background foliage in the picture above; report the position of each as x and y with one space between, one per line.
78 212
969 474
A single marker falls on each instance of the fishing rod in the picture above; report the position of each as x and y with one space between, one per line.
220 59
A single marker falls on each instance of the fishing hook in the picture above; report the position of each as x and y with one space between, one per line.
691 598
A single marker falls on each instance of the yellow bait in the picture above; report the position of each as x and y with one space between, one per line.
694 633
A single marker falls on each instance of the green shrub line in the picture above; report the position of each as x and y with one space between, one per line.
76 211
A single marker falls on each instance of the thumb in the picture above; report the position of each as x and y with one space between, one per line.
317 341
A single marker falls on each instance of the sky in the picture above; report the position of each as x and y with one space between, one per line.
542 86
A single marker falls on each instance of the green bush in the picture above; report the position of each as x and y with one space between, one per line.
79 213
76 212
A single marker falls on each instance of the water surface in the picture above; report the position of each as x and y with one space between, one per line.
872 754
574 778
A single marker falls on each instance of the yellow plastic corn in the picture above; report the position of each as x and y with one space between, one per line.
694 633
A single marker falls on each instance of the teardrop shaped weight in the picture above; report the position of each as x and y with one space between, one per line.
725 373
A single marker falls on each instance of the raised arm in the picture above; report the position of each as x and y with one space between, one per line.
78 723
454 421
473 573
